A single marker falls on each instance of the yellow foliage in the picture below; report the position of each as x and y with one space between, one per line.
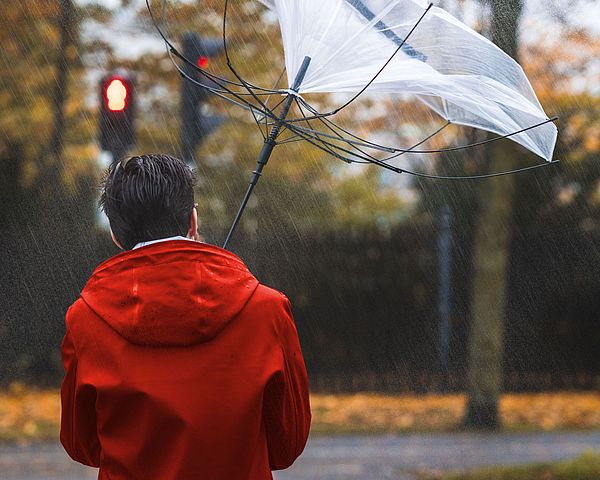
28 414
376 412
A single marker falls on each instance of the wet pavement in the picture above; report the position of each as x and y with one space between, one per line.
352 457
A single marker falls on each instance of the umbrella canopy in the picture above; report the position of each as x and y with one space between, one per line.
455 71
389 46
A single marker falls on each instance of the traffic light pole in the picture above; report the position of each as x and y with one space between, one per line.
268 147
118 152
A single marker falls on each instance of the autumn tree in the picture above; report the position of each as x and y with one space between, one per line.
491 254
46 210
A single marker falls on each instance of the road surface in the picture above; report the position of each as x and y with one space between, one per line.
379 457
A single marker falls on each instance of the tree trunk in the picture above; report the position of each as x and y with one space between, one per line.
491 255
53 165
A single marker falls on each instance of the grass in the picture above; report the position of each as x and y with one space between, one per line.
584 467
29 414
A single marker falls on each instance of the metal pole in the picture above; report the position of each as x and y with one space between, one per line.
118 152
445 282
268 146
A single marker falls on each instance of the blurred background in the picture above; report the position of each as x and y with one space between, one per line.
446 326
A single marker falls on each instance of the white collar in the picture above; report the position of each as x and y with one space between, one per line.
176 237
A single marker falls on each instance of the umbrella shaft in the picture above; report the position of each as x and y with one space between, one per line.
268 146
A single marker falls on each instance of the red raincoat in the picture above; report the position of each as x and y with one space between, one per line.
180 365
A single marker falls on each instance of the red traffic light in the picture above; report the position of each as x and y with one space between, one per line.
116 95
117 112
202 61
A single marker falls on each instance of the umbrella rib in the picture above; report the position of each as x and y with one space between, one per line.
327 120
484 176
307 121
216 79
444 150
386 166
177 53
295 138
385 30
218 92
400 151
230 65
269 98
325 149
482 142
350 142
368 143
361 91
240 100
441 177
339 137
314 134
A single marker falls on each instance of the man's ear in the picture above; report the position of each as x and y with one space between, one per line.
193 230
112 235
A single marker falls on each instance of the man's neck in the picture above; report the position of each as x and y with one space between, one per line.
149 242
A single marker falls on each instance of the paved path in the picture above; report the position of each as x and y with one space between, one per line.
351 457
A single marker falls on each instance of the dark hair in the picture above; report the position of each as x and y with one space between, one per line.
148 197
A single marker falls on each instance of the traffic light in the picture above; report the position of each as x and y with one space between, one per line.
195 121
117 109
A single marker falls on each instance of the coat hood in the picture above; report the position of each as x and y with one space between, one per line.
170 293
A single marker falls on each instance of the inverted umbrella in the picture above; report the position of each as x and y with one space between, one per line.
385 46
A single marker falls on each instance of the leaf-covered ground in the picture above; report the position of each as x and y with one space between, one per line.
371 411
28 414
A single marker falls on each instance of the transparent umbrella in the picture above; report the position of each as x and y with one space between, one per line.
381 46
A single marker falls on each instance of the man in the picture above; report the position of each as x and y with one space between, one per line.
178 363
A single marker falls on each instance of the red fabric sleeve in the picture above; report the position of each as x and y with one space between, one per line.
78 415
287 406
